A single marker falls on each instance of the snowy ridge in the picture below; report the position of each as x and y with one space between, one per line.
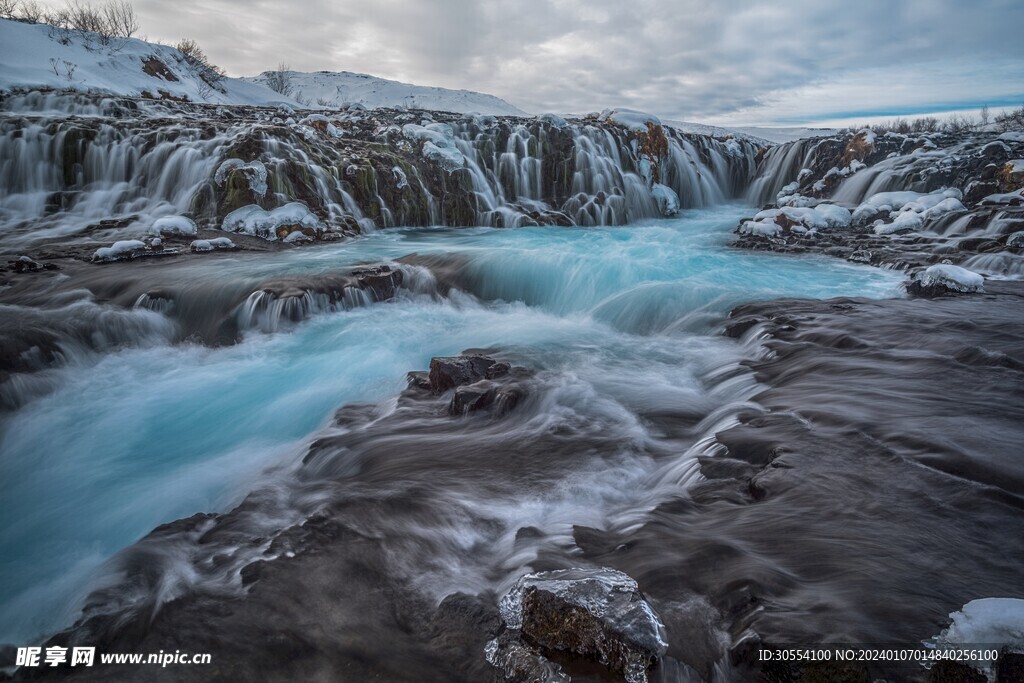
336 88
34 56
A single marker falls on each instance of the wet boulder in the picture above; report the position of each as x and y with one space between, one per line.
595 614
486 394
381 281
448 372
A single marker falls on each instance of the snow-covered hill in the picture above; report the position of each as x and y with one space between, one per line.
342 87
37 55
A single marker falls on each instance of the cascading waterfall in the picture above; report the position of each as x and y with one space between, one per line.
78 166
779 167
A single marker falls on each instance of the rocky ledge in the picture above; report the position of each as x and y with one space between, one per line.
896 201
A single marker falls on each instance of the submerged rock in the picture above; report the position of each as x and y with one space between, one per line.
598 614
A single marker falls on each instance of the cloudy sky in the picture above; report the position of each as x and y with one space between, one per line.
785 62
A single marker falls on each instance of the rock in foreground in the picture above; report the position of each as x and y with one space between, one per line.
597 614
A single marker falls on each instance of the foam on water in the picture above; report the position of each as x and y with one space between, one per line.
147 435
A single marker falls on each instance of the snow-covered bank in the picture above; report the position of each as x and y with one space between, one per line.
339 88
34 56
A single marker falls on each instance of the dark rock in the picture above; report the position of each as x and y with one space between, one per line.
1010 668
596 614
418 379
472 397
381 281
948 671
978 190
448 372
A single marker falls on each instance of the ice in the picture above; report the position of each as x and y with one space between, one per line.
630 118
953 277
254 220
118 250
438 144
174 225
1015 198
401 180
254 170
554 120
819 216
761 228
668 200
923 206
210 245
985 624
907 220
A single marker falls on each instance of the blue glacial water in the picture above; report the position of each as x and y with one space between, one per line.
147 435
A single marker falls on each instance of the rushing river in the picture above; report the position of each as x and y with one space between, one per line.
621 323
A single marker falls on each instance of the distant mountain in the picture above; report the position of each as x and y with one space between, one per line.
335 88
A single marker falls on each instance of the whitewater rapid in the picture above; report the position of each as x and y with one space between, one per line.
623 320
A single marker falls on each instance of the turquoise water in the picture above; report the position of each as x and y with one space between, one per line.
148 435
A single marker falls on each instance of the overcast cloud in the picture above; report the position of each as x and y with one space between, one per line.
782 62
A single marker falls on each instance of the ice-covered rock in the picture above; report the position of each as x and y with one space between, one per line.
255 171
984 625
945 278
174 225
668 200
122 249
271 225
810 217
905 221
762 228
598 614
216 243
439 145
630 118
554 120
1015 198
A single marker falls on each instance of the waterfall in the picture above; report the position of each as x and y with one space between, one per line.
88 167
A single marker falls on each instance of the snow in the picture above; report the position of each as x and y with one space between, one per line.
174 225
820 216
630 119
1013 136
922 206
907 220
668 200
32 58
118 250
438 144
1016 166
254 220
761 228
953 277
1010 198
254 170
553 120
210 245
985 624
340 88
